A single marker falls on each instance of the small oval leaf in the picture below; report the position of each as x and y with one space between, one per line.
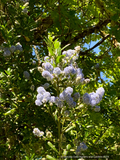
50 157
65 152
52 146
10 112
70 128
68 147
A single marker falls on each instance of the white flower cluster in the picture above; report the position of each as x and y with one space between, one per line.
81 147
7 51
94 98
37 132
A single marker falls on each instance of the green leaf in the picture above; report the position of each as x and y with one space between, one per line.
10 112
59 58
65 152
50 157
51 51
58 51
27 158
65 46
32 156
52 146
89 126
57 44
115 17
68 147
70 128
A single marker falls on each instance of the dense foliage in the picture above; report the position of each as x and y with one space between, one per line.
30 30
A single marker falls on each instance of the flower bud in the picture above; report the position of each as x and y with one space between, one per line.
40 69
77 48
87 80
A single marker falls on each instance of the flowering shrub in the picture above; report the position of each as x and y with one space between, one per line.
63 73
8 50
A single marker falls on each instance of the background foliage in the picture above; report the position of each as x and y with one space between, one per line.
73 22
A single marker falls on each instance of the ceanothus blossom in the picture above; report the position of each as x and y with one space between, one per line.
47 66
46 97
100 91
76 96
93 98
79 73
41 90
42 97
46 58
33 62
97 108
52 99
87 80
18 47
69 53
69 70
77 48
37 132
58 102
38 102
66 94
26 74
57 71
47 75
69 90
12 48
81 147
46 85
86 98
71 104
6 52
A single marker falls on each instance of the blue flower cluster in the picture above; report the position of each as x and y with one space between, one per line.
26 74
71 55
7 51
94 98
67 71
42 97
65 97
81 147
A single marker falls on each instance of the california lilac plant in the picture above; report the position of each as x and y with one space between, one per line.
68 70
52 71
64 75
